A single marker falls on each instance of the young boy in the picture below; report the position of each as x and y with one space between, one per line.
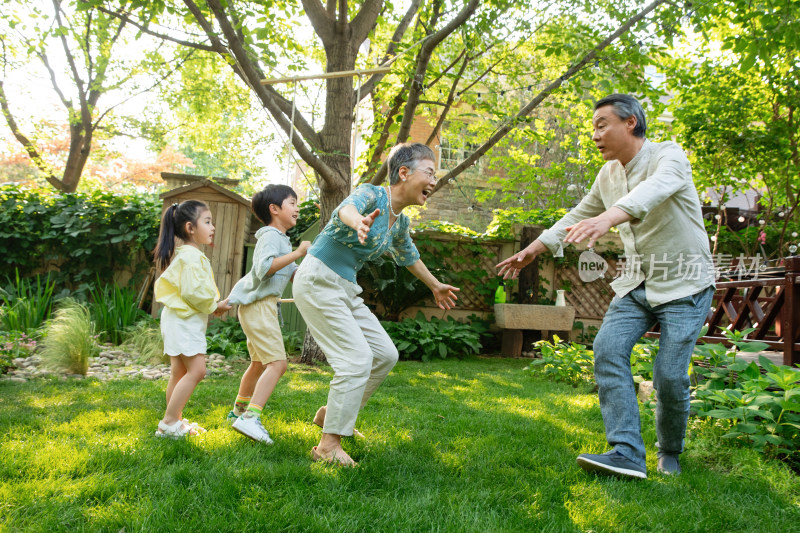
257 295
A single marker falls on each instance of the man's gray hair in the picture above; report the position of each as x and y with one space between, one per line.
626 106
407 155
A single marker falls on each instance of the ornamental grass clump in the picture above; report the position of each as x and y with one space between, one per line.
26 303
69 339
144 338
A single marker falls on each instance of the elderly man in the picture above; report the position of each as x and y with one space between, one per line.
646 190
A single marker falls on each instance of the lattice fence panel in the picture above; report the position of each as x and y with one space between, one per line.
590 300
463 259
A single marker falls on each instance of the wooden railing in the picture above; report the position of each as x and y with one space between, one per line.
770 305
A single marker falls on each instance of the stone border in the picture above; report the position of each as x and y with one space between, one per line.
109 365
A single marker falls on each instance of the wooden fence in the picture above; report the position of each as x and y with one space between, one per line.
769 305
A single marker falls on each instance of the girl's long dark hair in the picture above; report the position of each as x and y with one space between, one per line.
173 224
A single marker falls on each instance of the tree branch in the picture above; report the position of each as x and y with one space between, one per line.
391 48
364 20
70 58
321 20
153 86
54 81
252 77
26 143
284 105
534 103
146 30
423 59
449 104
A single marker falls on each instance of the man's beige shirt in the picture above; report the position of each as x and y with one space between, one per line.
666 244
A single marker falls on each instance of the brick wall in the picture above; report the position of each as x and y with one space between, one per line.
455 202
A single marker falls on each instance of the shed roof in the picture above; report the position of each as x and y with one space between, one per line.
205 183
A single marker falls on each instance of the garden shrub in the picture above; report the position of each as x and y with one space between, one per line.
27 303
504 220
292 342
757 404
393 287
573 363
14 344
568 362
114 310
225 336
422 339
75 236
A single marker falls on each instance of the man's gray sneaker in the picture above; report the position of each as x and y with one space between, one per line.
613 463
250 426
669 465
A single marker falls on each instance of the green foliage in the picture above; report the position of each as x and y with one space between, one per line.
210 118
144 338
573 363
292 342
114 310
27 303
445 227
458 262
78 237
393 287
14 344
780 236
761 410
225 336
568 362
504 220
642 358
736 112
69 338
422 339
718 364
308 216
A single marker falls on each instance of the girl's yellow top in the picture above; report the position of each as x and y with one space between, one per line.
187 286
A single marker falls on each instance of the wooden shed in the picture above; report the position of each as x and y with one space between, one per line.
232 220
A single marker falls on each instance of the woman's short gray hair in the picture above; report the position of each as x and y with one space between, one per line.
625 106
407 155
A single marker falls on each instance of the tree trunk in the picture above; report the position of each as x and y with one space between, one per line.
529 277
335 139
79 147
311 351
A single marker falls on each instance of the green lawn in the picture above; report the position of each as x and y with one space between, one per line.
476 445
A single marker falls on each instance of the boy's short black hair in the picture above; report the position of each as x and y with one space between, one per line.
271 194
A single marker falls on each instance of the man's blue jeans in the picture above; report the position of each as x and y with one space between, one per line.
626 320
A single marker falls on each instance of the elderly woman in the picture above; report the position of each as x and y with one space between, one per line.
367 224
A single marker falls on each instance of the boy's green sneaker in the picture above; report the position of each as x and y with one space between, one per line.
231 418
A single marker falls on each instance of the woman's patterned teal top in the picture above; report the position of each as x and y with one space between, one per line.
338 247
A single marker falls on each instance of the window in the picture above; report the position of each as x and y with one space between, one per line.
454 151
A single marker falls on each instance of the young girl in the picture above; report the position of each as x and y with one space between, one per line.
189 294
